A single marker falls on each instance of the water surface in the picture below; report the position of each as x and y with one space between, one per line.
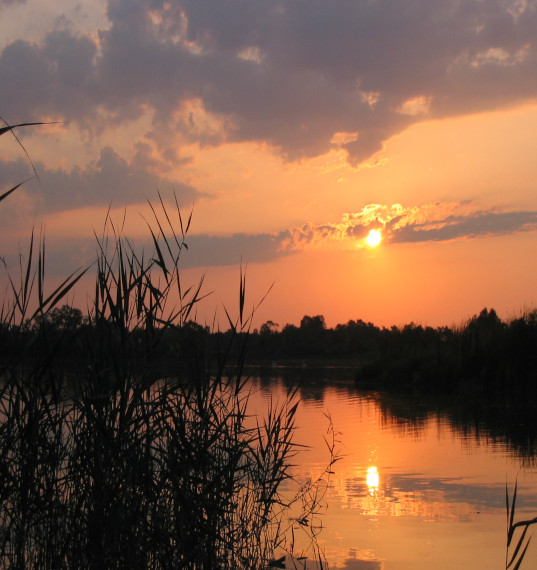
410 493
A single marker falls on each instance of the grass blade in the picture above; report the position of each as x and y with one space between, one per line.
8 127
6 194
517 566
518 546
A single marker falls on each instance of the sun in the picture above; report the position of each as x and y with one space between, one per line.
373 238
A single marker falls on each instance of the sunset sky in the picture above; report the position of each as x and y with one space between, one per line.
291 128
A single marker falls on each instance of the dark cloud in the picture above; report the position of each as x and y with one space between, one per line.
55 79
290 72
109 180
206 250
472 226
203 251
357 231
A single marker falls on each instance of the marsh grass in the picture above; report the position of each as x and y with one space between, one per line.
125 440
516 551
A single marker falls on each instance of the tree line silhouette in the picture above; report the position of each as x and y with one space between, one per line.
485 359
485 354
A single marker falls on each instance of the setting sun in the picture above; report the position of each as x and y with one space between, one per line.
374 238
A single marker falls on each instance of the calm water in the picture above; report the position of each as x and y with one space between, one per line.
408 495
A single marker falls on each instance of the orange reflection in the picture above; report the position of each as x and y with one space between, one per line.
437 489
372 480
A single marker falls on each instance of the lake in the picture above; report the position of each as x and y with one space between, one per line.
414 490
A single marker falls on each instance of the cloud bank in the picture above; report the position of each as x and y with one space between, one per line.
438 222
290 73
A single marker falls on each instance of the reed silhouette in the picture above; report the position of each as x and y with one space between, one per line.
125 438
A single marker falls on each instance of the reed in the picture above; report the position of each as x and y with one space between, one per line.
125 442
7 128
515 552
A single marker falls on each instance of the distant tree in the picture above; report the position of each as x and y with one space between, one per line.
355 337
485 331
65 318
486 320
315 323
268 328
291 344
312 333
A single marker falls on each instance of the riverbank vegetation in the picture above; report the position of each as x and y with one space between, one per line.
485 354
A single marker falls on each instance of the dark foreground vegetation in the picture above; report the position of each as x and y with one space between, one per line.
125 437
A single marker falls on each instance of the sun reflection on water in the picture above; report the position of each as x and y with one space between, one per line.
372 480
